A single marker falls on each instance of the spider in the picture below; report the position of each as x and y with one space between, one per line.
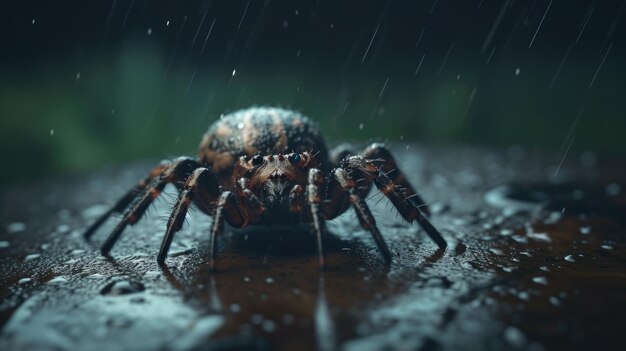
266 166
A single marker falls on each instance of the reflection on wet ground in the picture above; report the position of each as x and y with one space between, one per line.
534 262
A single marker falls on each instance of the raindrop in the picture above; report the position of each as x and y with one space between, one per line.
16 227
288 319
523 296
122 287
31 257
585 230
570 258
246 279
149 31
167 23
285 24
514 337
4 244
613 189
234 71
269 280
458 76
517 71
58 280
360 126
269 326
607 247
256 319
33 22
554 300
588 159
540 280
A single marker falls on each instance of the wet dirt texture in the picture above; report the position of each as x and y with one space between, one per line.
535 261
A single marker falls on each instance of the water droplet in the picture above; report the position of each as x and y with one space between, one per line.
122 287
167 23
269 326
361 126
607 247
285 24
58 280
540 280
588 159
514 337
149 31
523 296
288 319
613 189
33 21
63 228
554 300
256 319
77 75
24 280
585 230
517 71
246 279
31 257
4 244
234 71
16 227
269 280
570 258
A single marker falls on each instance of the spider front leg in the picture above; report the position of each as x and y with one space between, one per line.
314 199
177 171
202 187
403 197
347 184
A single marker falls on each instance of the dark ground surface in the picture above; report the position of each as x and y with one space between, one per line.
540 264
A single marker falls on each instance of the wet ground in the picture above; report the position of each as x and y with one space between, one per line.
537 260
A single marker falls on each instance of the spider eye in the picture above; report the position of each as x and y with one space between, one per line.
294 159
257 160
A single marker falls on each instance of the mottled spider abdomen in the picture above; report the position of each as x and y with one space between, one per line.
260 131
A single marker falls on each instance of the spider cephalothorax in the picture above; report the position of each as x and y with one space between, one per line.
270 166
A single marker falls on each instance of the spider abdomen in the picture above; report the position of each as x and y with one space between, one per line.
259 130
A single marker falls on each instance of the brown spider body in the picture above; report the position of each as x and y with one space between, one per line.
271 166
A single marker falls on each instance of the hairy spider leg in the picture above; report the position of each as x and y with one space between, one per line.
227 209
178 171
125 200
402 195
348 184
380 154
314 199
201 186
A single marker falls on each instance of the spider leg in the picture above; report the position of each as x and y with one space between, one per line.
227 209
253 206
125 200
399 192
379 153
314 199
201 182
177 171
348 184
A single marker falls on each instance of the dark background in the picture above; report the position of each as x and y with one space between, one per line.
85 84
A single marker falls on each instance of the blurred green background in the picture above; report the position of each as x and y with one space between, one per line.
84 86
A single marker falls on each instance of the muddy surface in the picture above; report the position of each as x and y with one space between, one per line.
536 260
